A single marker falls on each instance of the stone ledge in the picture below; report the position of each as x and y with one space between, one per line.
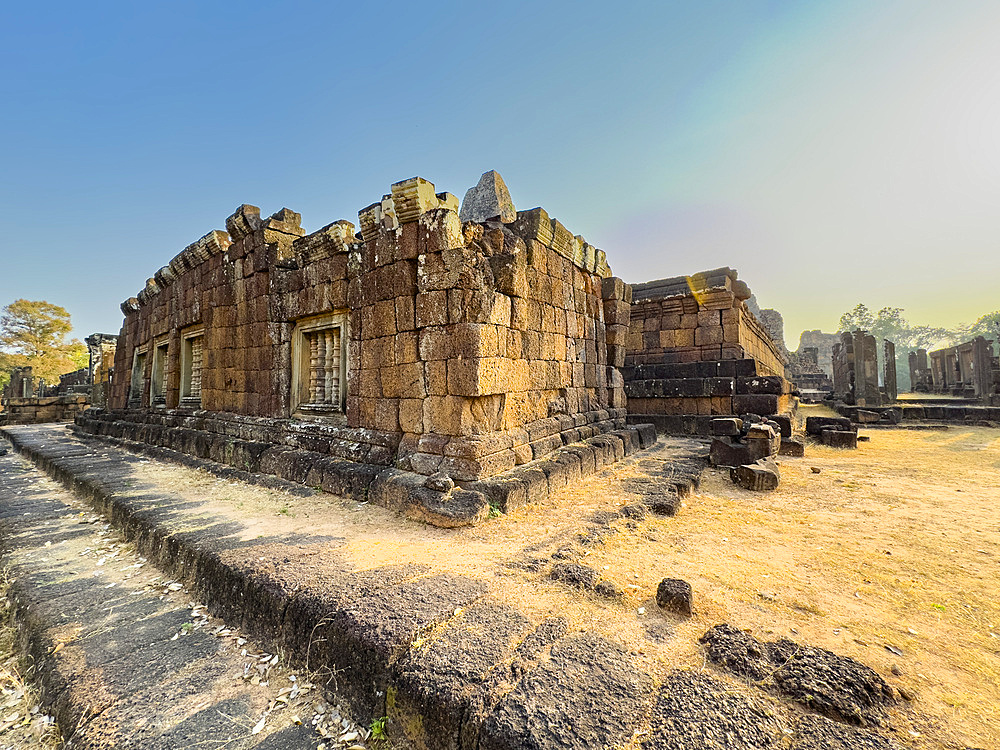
396 489
491 685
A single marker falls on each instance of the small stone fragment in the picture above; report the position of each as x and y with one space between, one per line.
608 590
576 575
815 469
674 595
439 482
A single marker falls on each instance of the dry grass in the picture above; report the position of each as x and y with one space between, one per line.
896 544
23 722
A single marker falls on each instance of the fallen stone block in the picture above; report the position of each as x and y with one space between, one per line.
761 475
792 447
674 595
816 425
727 426
837 686
839 438
868 417
725 452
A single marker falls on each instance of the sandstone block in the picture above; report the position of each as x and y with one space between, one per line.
839 438
792 447
489 199
727 426
761 475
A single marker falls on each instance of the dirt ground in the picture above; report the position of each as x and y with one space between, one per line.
889 554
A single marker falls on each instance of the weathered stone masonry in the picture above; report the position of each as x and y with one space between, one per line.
695 351
420 343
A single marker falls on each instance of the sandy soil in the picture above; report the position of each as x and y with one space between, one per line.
890 554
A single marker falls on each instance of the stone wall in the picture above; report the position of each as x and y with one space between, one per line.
696 351
101 347
38 409
823 343
463 348
968 369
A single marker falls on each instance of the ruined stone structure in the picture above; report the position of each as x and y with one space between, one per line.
100 369
695 351
968 370
25 400
419 343
856 370
805 373
921 380
823 343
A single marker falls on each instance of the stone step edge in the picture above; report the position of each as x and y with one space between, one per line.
296 471
182 558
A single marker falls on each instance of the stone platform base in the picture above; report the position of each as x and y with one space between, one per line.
469 502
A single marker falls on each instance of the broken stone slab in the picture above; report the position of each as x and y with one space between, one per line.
694 710
489 199
761 475
816 425
674 595
599 706
830 684
839 438
440 482
868 417
727 452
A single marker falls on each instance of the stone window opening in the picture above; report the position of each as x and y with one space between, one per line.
192 357
138 381
158 383
319 366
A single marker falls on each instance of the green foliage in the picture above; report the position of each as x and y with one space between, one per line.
33 334
988 326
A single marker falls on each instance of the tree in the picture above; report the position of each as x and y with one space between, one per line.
33 334
988 326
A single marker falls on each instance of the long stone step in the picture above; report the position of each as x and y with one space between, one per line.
499 684
122 657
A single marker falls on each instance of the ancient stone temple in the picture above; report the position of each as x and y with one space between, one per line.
806 374
437 348
696 351
968 369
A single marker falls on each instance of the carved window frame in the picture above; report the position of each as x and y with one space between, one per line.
304 380
192 355
137 383
158 373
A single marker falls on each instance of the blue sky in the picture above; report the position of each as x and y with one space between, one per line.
834 153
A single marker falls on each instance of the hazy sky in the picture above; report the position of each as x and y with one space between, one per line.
832 152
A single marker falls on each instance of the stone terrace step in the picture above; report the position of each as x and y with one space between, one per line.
499 683
122 659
